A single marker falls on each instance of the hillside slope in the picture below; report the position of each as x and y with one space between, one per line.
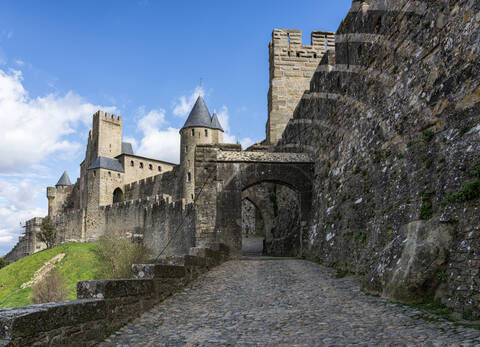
79 263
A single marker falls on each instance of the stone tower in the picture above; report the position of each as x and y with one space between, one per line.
200 128
99 171
106 137
292 66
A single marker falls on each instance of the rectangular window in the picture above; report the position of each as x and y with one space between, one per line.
193 132
206 132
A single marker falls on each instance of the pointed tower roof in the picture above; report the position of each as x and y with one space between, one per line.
215 122
199 116
64 180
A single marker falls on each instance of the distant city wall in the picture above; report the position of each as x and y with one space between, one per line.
162 224
27 243
168 183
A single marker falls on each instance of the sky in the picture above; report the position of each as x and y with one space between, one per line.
145 60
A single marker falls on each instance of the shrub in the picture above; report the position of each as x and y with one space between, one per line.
470 315
428 135
116 254
341 273
426 211
51 288
469 191
2 262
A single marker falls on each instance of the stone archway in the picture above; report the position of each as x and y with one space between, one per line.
118 195
221 176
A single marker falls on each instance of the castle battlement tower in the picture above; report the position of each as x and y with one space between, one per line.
292 66
106 136
200 128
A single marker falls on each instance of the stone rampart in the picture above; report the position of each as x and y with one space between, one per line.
394 129
165 226
168 183
103 306
292 65
28 242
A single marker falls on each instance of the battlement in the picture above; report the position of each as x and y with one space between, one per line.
292 65
108 117
150 202
291 39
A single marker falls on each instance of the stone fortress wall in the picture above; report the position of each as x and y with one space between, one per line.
392 120
27 243
292 65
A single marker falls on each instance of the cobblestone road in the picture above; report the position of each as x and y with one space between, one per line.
283 303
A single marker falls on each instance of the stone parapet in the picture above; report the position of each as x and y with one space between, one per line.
263 157
104 305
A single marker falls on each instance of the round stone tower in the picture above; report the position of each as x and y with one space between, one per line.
200 128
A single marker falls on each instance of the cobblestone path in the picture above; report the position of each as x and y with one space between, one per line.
283 303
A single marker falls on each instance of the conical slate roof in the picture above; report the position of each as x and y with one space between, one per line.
199 116
215 122
64 180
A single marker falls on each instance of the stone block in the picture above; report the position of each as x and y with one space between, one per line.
106 289
153 271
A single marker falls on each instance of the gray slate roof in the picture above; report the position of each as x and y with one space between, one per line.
216 122
127 148
199 116
107 163
64 180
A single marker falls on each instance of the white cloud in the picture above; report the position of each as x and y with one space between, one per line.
35 128
17 205
184 104
246 142
157 141
19 62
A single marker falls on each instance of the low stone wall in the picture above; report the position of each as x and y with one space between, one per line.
104 305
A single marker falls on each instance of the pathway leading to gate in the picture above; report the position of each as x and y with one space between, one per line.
284 302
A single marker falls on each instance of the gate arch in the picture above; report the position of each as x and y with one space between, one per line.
223 175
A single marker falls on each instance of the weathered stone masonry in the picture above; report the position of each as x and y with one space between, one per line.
292 65
392 122
222 173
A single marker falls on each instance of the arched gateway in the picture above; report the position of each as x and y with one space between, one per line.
222 172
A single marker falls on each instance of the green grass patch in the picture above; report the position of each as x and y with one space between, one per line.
428 135
341 273
469 191
79 263
435 307
426 210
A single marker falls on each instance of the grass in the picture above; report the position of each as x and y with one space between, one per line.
426 210
470 190
341 273
428 135
78 264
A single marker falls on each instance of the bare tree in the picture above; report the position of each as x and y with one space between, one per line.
47 233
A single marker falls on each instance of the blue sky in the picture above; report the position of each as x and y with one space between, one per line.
60 61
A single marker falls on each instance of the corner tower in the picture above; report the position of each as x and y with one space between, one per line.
292 66
200 128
